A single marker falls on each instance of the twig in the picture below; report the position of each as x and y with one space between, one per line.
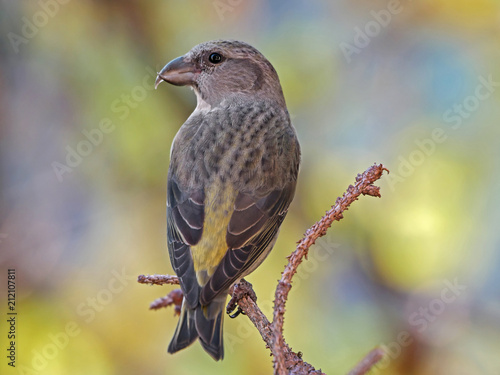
173 298
368 362
363 186
157 279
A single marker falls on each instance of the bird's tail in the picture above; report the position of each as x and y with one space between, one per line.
204 322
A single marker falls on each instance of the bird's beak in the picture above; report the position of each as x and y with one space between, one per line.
178 72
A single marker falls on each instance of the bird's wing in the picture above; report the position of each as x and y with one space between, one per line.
252 228
185 216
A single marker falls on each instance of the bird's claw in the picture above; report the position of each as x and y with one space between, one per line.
240 290
238 312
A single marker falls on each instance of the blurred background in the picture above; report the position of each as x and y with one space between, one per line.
84 145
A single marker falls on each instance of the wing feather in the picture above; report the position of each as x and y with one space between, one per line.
248 239
185 216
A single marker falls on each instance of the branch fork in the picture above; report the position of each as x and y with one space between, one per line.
243 298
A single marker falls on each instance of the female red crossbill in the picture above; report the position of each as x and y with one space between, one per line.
232 175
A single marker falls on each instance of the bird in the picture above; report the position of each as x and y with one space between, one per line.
232 176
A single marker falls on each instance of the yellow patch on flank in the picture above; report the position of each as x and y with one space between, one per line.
208 253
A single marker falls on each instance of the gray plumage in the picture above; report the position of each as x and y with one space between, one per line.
232 176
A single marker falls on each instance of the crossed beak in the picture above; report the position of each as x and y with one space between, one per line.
178 72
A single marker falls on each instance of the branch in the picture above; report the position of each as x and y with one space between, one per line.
157 279
368 362
285 360
363 185
242 293
172 298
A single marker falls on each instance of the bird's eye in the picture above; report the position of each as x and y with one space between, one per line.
215 58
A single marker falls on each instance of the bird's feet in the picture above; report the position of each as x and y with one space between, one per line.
240 290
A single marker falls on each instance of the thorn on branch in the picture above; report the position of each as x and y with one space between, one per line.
372 190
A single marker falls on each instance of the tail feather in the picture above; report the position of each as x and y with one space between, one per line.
186 332
203 322
210 332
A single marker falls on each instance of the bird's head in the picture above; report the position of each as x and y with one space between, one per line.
223 69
